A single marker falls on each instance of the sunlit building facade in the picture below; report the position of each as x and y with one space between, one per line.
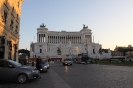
55 44
10 11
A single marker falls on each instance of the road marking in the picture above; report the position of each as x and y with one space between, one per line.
58 81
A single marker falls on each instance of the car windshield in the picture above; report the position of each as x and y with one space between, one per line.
15 63
85 56
43 62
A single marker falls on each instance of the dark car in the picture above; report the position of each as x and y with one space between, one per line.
43 66
13 71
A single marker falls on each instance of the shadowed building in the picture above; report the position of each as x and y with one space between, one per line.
10 11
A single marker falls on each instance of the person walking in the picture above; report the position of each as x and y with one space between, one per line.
38 61
91 61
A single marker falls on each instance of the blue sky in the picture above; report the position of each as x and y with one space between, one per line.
111 21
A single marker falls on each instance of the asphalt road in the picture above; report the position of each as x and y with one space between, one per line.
80 76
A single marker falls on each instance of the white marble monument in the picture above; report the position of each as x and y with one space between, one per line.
55 44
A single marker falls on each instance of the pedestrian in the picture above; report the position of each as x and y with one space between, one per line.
90 60
33 63
96 61
38 61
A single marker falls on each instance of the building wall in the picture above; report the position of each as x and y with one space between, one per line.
106 55
93 50
69 42
10 12
44 35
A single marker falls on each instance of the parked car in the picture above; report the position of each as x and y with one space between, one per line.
129 59
67 61
13 71
43 67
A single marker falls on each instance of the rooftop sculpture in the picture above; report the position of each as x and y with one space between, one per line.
42 25
84 26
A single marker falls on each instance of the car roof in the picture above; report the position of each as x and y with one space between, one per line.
3 59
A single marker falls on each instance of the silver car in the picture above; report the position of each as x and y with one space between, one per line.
47 63
67 61
11 70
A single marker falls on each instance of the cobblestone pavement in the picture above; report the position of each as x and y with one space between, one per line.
80 76
96 76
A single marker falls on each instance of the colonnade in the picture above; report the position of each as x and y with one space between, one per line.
64 39
59 39
41 38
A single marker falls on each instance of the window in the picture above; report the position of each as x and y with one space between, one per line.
40 50
11 25
16 29
17 17
18 4
12 9
5 16
93 51
3 64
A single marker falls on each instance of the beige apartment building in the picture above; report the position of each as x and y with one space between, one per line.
10 11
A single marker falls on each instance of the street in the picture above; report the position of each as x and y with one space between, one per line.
80 76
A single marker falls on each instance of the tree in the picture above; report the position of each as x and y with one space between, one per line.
105 50
124 50
24 51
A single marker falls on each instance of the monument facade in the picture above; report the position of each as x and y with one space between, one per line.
55 44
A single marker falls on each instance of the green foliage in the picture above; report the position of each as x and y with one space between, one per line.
105 50
124 50
24 51
121 49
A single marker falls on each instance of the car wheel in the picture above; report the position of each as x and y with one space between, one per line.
22 78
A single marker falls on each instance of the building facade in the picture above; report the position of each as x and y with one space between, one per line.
57 44
123 51
10 11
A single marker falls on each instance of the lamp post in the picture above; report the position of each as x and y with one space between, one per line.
69 46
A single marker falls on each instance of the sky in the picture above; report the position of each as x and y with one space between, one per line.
111 21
